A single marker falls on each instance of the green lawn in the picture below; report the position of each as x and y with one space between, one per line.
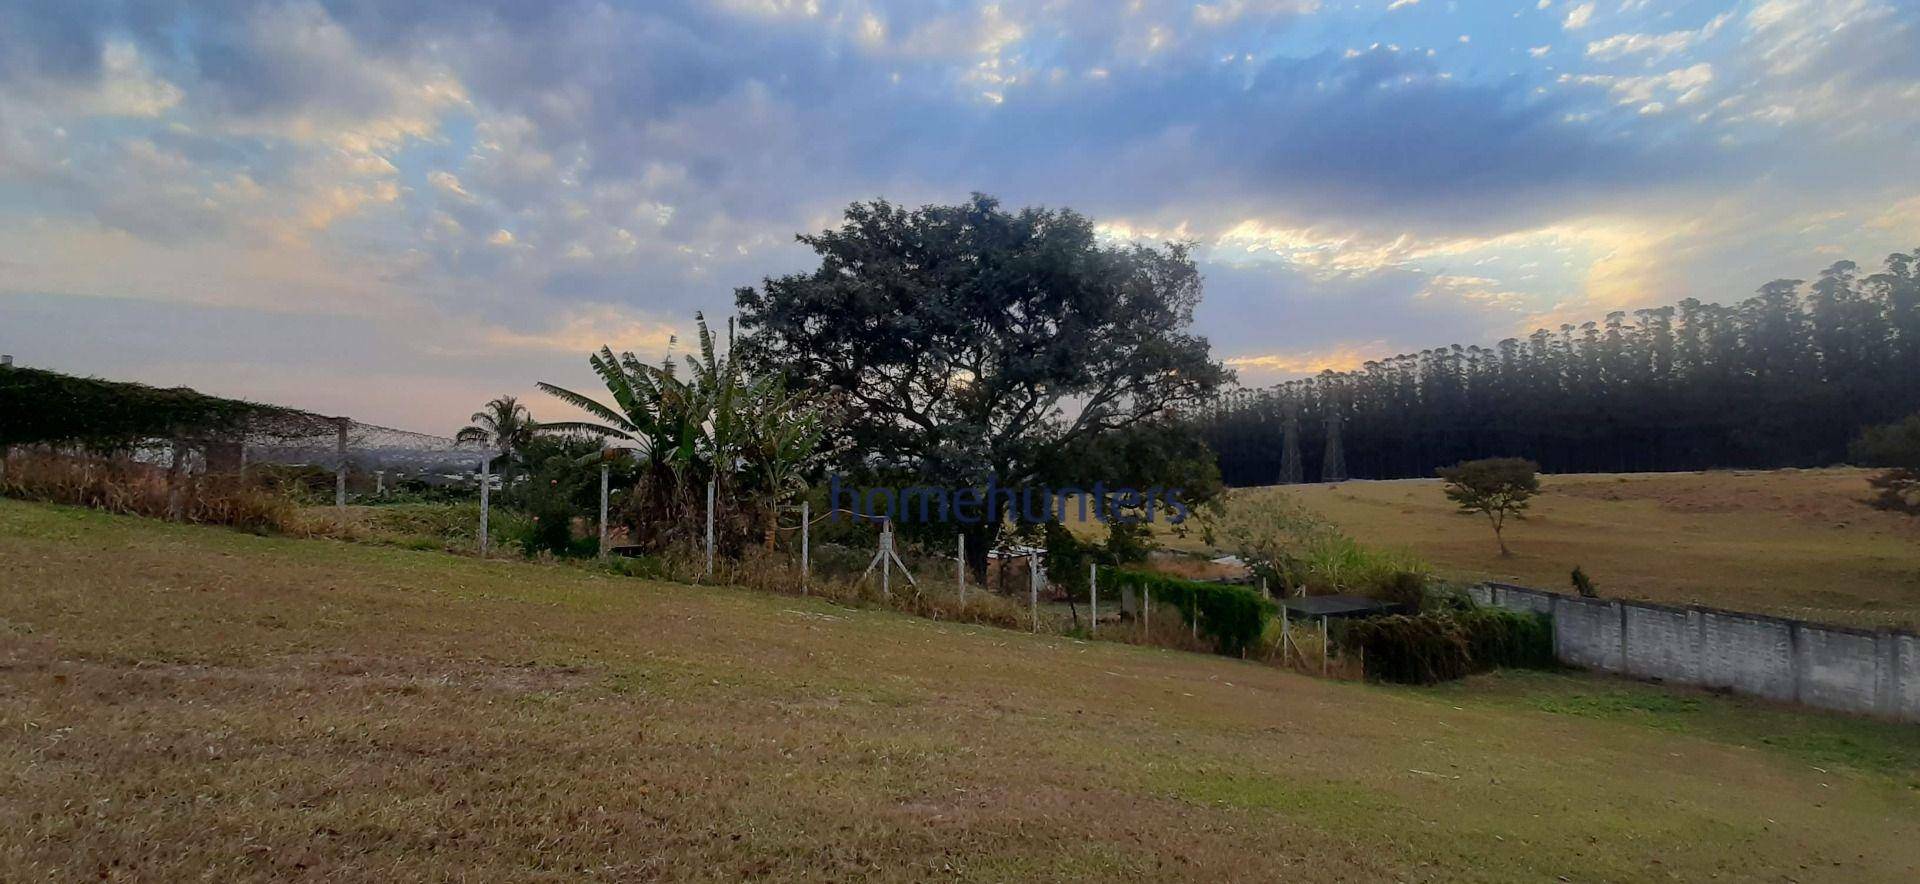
186 702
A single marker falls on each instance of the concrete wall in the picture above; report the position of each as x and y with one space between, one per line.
1831 667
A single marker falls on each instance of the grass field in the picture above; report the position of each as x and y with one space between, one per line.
1793 543
186 702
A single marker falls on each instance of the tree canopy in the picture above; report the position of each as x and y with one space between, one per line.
1497 487
969 341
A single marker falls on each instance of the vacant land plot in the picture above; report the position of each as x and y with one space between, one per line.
1793 543
194 703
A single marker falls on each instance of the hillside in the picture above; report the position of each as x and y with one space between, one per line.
1793 543
185 702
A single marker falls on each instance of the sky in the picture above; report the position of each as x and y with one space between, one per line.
397 211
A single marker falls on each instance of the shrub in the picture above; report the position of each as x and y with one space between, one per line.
1296 549
1500 639
123 485
1233 616
1432 648
1408 589
1409 650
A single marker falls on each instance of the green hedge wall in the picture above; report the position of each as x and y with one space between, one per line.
48 407
1233 616
1432 648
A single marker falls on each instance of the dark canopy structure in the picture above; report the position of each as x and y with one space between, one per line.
50 408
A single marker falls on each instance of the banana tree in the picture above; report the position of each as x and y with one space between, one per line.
716 425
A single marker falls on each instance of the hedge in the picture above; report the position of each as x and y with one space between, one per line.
53 408
1233 616
1432 648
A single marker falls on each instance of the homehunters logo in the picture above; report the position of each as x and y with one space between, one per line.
1023 503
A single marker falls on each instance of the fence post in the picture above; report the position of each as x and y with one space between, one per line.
806 524
960 568
604 469
1326 649
1093 596
710 483
886 560
486 492
1033 589
174 469
1146 611
340 471
1286 637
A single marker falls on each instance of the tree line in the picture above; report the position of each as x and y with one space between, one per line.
1786 378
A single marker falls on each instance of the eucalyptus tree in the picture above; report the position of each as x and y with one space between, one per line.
1785 377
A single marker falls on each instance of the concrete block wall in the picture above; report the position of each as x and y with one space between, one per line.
1748 654
1831 667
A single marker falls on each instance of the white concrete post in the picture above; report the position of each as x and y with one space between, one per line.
806 525
603 510
1093 594
486 494
960 568
886 560
710 484
1146 611
1326 650
1033 589
379 476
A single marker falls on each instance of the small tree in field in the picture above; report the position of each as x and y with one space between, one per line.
1897 447
1497 486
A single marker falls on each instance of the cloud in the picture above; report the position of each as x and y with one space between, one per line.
1656 46
585 328
1683 85
1578 17
532 176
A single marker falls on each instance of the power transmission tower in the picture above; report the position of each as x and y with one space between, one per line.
1291 470
1334 467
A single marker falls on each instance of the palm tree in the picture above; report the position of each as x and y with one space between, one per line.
504 423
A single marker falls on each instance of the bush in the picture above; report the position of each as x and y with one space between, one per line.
1408 589
1296 549
1432 648
1499 639
122 485
1233 616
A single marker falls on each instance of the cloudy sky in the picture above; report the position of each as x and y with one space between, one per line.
395 211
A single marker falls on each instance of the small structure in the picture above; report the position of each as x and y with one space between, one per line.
1327 607
1339 606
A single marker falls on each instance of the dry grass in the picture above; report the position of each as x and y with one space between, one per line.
1793 543
121 485
181 702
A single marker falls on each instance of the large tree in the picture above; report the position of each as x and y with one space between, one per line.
969 341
